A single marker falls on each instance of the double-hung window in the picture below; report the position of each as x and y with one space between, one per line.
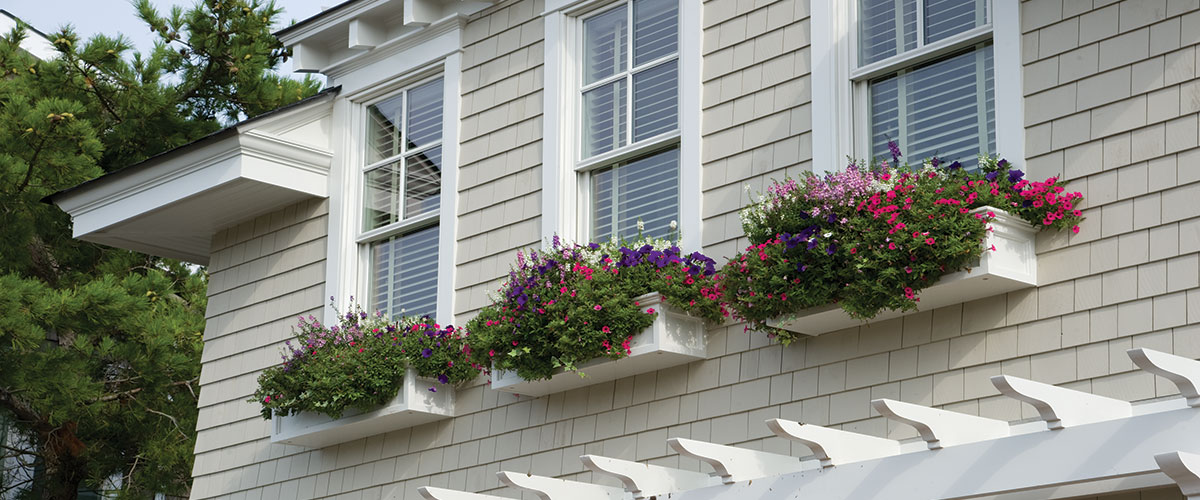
402 179
629 130
922 73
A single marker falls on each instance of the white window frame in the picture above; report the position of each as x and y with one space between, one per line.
565 184
348 272
405 225
840 107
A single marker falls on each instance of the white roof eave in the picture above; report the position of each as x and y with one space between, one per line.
174 206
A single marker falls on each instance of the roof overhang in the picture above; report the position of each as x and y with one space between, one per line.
172 204
354 28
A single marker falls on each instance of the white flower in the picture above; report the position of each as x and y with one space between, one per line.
828 235
641 227
673 225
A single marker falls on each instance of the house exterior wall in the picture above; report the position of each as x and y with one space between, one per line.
1111 104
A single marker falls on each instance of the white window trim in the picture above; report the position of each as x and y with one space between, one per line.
564 189
840 109
348 262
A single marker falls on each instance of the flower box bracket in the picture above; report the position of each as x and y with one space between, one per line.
413 405
674 338
1012 266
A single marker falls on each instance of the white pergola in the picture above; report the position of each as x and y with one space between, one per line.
1083 444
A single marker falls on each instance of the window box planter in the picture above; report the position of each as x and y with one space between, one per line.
1012 266
673 339
415 404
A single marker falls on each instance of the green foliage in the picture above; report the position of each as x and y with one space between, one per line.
101 347
571 304
871 238
360 363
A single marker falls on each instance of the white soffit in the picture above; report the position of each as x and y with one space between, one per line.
1116 447
172 205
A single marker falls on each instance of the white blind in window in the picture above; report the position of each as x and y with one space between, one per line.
646 188
404 273
944 109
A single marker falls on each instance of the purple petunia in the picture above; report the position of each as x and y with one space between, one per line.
426 352
1015 175
443 378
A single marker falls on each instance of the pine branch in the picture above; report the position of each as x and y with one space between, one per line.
33 161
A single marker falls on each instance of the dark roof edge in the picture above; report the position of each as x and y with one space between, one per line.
220 134
27 25
310 19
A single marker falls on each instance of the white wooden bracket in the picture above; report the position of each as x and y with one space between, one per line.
1183 372
736 464
364 34
645 480
548 488
434 493
833 446
1061 407
1184 469
941 428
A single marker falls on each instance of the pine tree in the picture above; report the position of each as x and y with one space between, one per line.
100 347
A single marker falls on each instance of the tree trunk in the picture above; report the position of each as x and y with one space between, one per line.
65 469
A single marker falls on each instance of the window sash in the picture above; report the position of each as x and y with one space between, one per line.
401 251
622 129
929 49
902 55
407 153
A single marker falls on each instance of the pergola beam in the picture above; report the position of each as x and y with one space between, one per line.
735 464
1183 372
1061 407
549 488
941 428
832 446
645 480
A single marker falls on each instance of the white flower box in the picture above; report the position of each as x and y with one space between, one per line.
673 339
1012 266
413 405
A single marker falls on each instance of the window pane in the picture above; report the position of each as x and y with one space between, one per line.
604 45
404 273
655 29
425 114
646 188
383 129
944 109
423 184
944 18
655 101
886 28
604 118
381 196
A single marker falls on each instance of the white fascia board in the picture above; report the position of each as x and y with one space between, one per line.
1111 456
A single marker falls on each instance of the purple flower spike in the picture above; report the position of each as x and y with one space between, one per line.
895 150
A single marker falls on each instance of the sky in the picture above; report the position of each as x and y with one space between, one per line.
117 16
